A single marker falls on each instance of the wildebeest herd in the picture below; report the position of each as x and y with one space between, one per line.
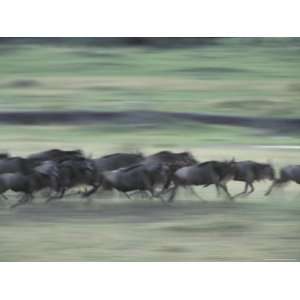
159 175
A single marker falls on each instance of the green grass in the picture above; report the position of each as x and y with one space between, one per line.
98 140
253 229
113 228
232 78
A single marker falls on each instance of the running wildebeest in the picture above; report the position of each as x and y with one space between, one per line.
74 172
173 160
207 173
139 177
56 155
112 162
43 176
250 171
15 165
287 174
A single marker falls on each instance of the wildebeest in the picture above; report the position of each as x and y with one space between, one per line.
15 165
55 154
288 173
117 160
139 177
75 172
250 171
43 176
112 162
173 160
207 173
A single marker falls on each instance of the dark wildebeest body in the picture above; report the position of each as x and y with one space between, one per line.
56 155
139 177
250 171
75 172
287 174
4 155
43 176
207 173
117 160
173 160
112 162
15 165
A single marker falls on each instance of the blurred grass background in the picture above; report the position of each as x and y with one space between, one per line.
229 76
240 77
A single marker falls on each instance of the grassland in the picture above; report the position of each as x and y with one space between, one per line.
112 229
234 78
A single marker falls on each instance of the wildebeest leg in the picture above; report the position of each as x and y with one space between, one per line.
91 191
165 191
276 183
166 202
243 192
144 194
224 188
148 185
196 194
173 194
269 190
59 196
128 196
3 197
134 193
46 193
29 198
25 198
167 184
252 188
19 202
161 194
218 191
62 193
